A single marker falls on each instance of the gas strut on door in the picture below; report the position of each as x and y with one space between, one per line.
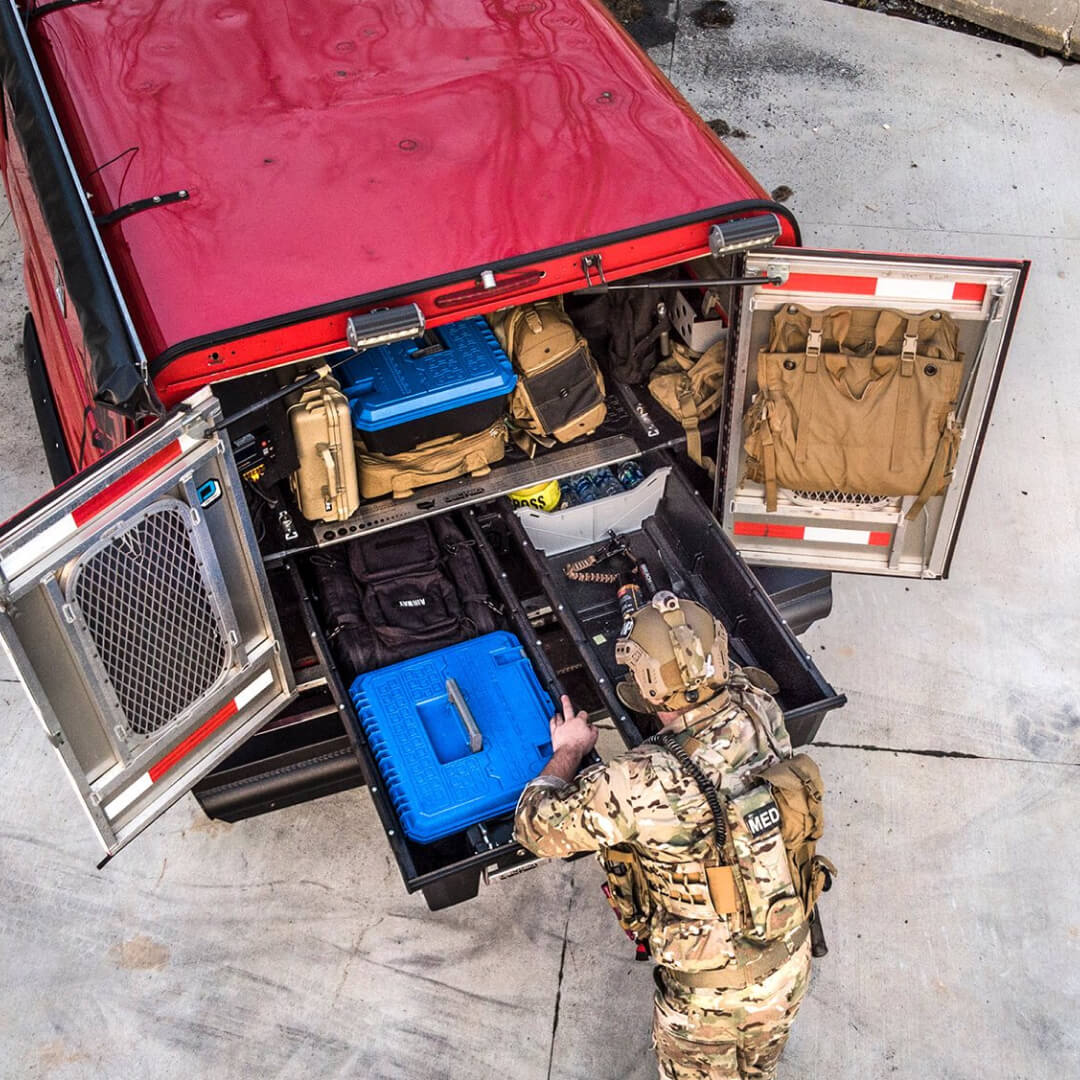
776 278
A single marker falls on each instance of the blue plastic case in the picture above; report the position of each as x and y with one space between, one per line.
407 392
421 742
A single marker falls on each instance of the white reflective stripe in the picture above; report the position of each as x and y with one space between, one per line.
22 558
128 795
913 289
253 689
837 536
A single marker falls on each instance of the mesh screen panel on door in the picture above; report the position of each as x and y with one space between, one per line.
148 609
845 498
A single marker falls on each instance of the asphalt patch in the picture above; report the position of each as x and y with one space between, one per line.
725 130
714 15
647 21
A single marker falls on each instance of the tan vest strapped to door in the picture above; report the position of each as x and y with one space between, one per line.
856 400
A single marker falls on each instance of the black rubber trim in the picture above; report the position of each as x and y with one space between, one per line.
48 421
745 206
139 205
114 361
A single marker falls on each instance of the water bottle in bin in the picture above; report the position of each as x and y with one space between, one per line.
605 482
629 474
583 488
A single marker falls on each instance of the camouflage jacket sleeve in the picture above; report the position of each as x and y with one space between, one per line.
555 818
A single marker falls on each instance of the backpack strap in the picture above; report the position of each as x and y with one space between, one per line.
809 391
940 467
906 393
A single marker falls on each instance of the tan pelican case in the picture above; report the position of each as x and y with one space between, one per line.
325 484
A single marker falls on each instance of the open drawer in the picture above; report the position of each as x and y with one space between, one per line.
560 626
686 551
448 870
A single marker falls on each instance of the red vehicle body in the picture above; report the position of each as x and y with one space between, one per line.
206 192
322 176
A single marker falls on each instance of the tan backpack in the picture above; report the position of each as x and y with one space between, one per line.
560 391
856 401
430 463
690 387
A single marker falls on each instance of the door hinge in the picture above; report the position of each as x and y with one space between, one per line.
997 301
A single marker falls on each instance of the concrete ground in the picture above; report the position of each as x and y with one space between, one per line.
286 947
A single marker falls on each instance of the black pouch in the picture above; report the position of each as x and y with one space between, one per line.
414 614
407 549
459 558
637 329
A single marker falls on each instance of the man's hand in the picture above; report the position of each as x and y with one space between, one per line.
572 737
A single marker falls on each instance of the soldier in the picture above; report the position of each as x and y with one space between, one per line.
698 861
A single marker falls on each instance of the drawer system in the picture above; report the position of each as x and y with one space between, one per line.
567 629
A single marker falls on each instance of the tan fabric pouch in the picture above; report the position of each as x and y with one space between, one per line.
430 463
690 387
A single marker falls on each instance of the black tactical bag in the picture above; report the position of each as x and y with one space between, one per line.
638 325
340 607
459 558
401 593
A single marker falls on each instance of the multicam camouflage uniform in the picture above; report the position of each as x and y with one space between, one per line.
646 801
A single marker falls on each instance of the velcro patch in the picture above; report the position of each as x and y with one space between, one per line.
763 819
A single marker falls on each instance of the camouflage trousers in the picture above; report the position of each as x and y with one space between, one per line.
729 1034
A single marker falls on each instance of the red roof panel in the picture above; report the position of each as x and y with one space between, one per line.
335 148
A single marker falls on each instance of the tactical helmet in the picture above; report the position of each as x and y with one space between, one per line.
677 655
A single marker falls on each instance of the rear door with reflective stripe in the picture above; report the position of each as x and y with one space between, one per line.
135 609
822 407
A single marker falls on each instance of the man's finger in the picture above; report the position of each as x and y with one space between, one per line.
568 708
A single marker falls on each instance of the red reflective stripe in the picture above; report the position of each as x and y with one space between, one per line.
968 290
127 483
749 528
838 283
193 740
760 528
880 539
785 532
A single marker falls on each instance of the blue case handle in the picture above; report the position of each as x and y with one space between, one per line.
457 699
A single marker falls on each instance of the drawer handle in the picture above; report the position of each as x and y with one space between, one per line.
457 699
